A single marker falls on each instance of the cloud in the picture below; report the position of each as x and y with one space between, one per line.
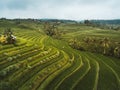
63 9
14 4
18 4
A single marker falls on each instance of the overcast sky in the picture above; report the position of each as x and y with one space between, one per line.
60 9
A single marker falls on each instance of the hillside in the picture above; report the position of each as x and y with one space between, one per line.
40 62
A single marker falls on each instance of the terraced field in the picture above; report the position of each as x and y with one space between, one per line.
39 62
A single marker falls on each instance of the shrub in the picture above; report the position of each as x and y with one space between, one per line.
3 73
9 58
5 86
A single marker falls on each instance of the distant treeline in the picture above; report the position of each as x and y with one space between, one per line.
104 24
42 20
116 21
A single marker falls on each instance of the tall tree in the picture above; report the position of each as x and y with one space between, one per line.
52 30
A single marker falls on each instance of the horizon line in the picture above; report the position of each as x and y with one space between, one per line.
59 18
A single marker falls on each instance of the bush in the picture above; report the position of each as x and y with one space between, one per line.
9 58
5 86
3 73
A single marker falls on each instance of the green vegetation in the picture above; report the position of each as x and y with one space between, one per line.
7 37
52 30
84 58
103 46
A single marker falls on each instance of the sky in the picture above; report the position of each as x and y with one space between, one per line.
60 9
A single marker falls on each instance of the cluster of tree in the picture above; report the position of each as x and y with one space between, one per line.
52 30
88 22
103 46
101 24
7 37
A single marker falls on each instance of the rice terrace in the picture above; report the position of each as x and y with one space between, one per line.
56 54
59 45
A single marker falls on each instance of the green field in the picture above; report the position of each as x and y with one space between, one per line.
40 62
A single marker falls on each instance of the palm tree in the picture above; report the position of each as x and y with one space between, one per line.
117 51
74 43
105 44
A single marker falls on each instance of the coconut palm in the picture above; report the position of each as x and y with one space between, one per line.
117 51
105 44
